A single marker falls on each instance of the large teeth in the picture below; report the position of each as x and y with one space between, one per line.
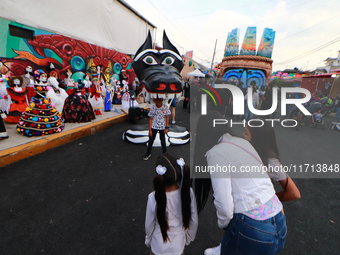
160 96
170 96
166 96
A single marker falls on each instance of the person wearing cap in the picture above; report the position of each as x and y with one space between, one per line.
122 76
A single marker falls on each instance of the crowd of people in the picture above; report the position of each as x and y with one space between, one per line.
262 99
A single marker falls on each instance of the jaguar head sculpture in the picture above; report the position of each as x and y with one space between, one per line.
159 71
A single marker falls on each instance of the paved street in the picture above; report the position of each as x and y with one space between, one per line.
89 196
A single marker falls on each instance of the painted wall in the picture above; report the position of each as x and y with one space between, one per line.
64 52
322 83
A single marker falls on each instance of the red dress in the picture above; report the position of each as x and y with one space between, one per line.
18 106
96 99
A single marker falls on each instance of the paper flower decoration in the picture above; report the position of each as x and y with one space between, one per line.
160 169
180 162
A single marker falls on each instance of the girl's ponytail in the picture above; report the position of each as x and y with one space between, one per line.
160 196
185 197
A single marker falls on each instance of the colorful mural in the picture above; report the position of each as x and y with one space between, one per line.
249 42
232 44
267 43
65 53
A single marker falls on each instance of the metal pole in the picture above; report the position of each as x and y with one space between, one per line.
212 61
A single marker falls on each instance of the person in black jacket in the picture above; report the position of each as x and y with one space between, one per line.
268 98
186 95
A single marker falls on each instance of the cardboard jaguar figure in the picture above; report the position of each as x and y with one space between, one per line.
159 74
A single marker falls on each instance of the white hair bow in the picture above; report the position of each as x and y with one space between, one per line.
180 162
161 169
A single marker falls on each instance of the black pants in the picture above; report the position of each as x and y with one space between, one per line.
152 139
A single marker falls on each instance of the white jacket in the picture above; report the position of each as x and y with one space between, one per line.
239 191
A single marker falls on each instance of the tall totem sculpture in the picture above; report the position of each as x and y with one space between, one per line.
246 66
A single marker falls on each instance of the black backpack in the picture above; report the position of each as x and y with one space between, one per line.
135 114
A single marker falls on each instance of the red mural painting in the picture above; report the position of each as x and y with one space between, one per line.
78 56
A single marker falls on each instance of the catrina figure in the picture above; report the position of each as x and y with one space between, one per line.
3 132
5 98
77 107
29 81
87 83
69 82
40 85
108 98
5 103
41 116
55 93
96 98
19 99
117 97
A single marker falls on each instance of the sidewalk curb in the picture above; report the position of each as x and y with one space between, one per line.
29 149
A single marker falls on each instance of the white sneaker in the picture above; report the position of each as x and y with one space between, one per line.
173 122
213 251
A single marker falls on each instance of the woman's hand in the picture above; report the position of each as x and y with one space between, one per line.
290 192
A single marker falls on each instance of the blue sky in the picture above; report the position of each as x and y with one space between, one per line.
307 31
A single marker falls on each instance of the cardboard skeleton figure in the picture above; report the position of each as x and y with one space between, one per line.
159 76
19 99
159 71
28 82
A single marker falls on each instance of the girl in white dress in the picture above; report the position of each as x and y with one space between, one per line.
171 214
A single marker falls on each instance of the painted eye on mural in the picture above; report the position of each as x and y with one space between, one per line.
92 70
150 60
108 71
168 61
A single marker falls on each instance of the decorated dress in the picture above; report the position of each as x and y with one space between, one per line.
96 99
126 100
29 81
77 108
69 83
56 94
18 97
3 132
108 98
5 98
41 117
5 103
117 97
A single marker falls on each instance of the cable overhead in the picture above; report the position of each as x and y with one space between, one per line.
307 28
177 28
310 52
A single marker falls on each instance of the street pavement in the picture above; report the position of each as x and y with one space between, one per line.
89 196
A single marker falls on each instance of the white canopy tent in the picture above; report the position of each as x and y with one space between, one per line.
111 24
196 73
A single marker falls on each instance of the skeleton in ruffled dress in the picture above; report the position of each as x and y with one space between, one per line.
55 93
